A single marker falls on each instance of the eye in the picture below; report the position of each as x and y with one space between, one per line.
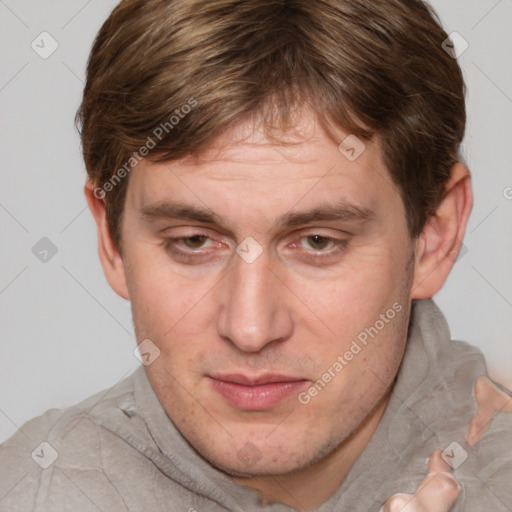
190 248
322 248
195 247
319 241
194 241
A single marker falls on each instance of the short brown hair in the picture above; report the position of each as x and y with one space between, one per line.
372 68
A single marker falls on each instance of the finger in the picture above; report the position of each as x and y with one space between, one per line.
489 399
398 503
436 493
436 463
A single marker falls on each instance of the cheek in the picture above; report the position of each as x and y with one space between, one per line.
357 374
367 314
162 302
352 297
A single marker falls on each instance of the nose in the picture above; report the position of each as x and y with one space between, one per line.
253 309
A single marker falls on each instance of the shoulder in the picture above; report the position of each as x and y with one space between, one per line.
486 467
60 454
481 455
467 414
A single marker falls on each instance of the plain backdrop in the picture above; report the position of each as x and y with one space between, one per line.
65 333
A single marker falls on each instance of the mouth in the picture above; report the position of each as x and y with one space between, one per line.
256 393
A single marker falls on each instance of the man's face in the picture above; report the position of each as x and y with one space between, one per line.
271 356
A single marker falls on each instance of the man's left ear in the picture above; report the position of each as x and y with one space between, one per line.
440 241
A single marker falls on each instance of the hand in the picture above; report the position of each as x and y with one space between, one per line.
436 493
490 399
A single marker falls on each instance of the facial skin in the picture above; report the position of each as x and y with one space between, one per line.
292 311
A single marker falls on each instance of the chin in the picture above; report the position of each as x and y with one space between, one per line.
262 468
257 459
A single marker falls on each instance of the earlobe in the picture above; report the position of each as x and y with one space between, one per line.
441 239
110 257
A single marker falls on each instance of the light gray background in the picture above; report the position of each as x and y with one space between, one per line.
65 333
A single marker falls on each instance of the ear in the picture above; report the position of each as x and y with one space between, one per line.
439 244
110 257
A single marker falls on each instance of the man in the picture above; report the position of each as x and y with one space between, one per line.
277 193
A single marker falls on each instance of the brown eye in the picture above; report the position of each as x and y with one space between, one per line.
196 241
319 241
194 249
320 249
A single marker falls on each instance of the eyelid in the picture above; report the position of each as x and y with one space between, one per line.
175 239
330 239
339 246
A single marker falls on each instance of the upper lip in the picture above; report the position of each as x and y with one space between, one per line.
245 380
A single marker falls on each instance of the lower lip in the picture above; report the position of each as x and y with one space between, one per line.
257 398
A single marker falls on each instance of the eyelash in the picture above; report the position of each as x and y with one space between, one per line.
340 244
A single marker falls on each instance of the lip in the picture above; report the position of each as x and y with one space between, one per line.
256 393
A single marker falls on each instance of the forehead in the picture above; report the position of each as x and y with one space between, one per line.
247 149
244 173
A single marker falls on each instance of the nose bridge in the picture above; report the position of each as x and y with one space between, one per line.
251 313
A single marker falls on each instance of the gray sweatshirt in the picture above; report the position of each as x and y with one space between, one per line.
118 450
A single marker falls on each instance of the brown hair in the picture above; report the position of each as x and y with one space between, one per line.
189 69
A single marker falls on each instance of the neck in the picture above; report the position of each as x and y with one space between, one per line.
307 488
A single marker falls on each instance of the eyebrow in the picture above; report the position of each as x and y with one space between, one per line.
339 211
